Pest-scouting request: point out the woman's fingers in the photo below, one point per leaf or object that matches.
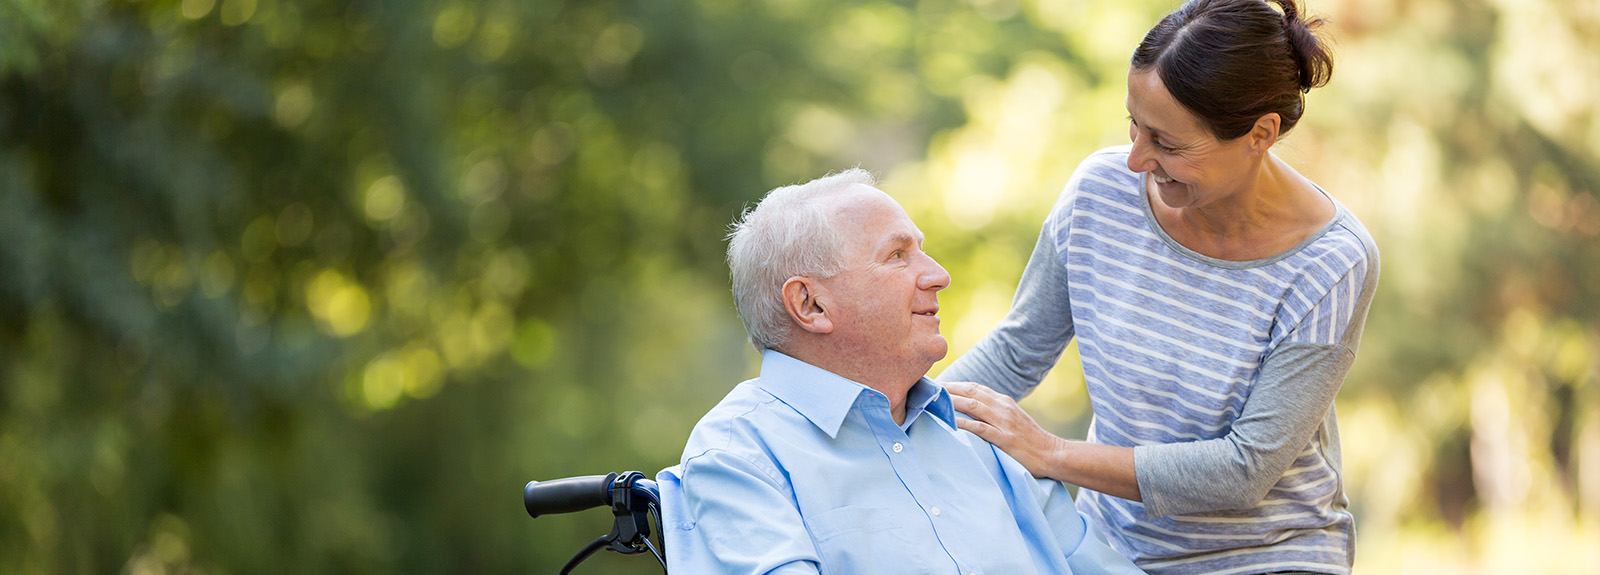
(998, 403)
(972, 407)
(985, 423)
(997, 419)
(972, 390)
(985, 405)
(983, 430)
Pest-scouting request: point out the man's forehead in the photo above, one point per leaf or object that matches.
(855, 197)
(872, 220)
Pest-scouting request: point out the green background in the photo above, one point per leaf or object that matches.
(315, 287)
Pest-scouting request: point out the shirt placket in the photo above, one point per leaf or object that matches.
(897, 445)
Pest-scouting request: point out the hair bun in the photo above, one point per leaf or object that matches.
(1312, 57)
(1232, 61)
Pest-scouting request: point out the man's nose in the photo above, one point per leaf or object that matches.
(934, 278)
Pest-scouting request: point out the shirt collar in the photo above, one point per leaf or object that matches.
(826, 399)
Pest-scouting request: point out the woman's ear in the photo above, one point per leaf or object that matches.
(801, 299)
(1265, 133)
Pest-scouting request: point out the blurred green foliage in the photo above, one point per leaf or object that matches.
(315, 287)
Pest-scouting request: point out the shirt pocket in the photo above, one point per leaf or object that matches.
(858, 539)
(848, 520)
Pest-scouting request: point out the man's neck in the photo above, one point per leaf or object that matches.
(894, 382)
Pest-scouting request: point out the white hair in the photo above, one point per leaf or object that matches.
(787, 234)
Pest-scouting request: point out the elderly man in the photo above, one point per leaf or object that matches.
(842, 457)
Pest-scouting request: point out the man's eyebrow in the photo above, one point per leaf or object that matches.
(899, 239)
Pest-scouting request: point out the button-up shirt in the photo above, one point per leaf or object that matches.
(804, 471)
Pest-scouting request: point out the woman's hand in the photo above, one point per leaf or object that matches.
(999, 420)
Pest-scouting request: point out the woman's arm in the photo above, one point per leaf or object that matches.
(1289, 401)
(1287, 405)
(1015, 357)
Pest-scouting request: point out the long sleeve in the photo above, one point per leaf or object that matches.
(757, 529)
(1290, 401)
(1015, 357)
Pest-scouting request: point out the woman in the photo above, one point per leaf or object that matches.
(1217, 297)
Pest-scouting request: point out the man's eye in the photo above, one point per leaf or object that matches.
(897, 254)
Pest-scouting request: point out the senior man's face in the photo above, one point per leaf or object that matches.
(886, 300)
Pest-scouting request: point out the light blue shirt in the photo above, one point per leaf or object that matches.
(803, 471)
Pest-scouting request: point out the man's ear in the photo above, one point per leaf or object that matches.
(1264, 133)
(800, 299)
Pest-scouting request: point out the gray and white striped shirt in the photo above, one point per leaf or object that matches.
(1220, 374)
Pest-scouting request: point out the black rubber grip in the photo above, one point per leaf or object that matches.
(567, 494)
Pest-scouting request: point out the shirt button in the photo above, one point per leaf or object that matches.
(934, 511)
(898, 447)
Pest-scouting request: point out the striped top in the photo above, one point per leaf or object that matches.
(1220, 374)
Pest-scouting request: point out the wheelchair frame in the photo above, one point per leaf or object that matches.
(633, 500)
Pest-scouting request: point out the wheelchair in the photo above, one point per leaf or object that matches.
(634, 500)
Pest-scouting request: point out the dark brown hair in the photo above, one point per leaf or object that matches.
(1232, 61)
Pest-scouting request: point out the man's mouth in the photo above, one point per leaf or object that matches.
(928, 312)
(1160, 179)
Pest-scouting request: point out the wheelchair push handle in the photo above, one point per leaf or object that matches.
(633, 499)
(568, 494)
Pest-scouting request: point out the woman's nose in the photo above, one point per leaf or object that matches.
(1139, 159)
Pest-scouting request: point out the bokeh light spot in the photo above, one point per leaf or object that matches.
(294, 105)
(196, 9)
(385, 199)
(383, 382)
(535, 343)
(259, 239)
(454, 25)
(218, 275)
(552, 143)
(618, 43)
(236, 12)
(425, 371)
(341, 306)
(820, 130)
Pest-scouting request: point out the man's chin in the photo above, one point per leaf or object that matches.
(937, 351)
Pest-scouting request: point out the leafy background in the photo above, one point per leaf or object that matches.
(314, 287)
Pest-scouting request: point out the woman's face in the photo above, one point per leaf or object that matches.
(1190, 167)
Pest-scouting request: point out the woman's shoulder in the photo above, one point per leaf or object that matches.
(1100, 184)
(1109, 162)
(1104, 174)
(1344, 251)
(1349, 239)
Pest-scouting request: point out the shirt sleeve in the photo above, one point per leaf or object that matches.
(1289, 402)
(1015, 357)
(726, 514)
(1044, 509)
(1087, 550)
